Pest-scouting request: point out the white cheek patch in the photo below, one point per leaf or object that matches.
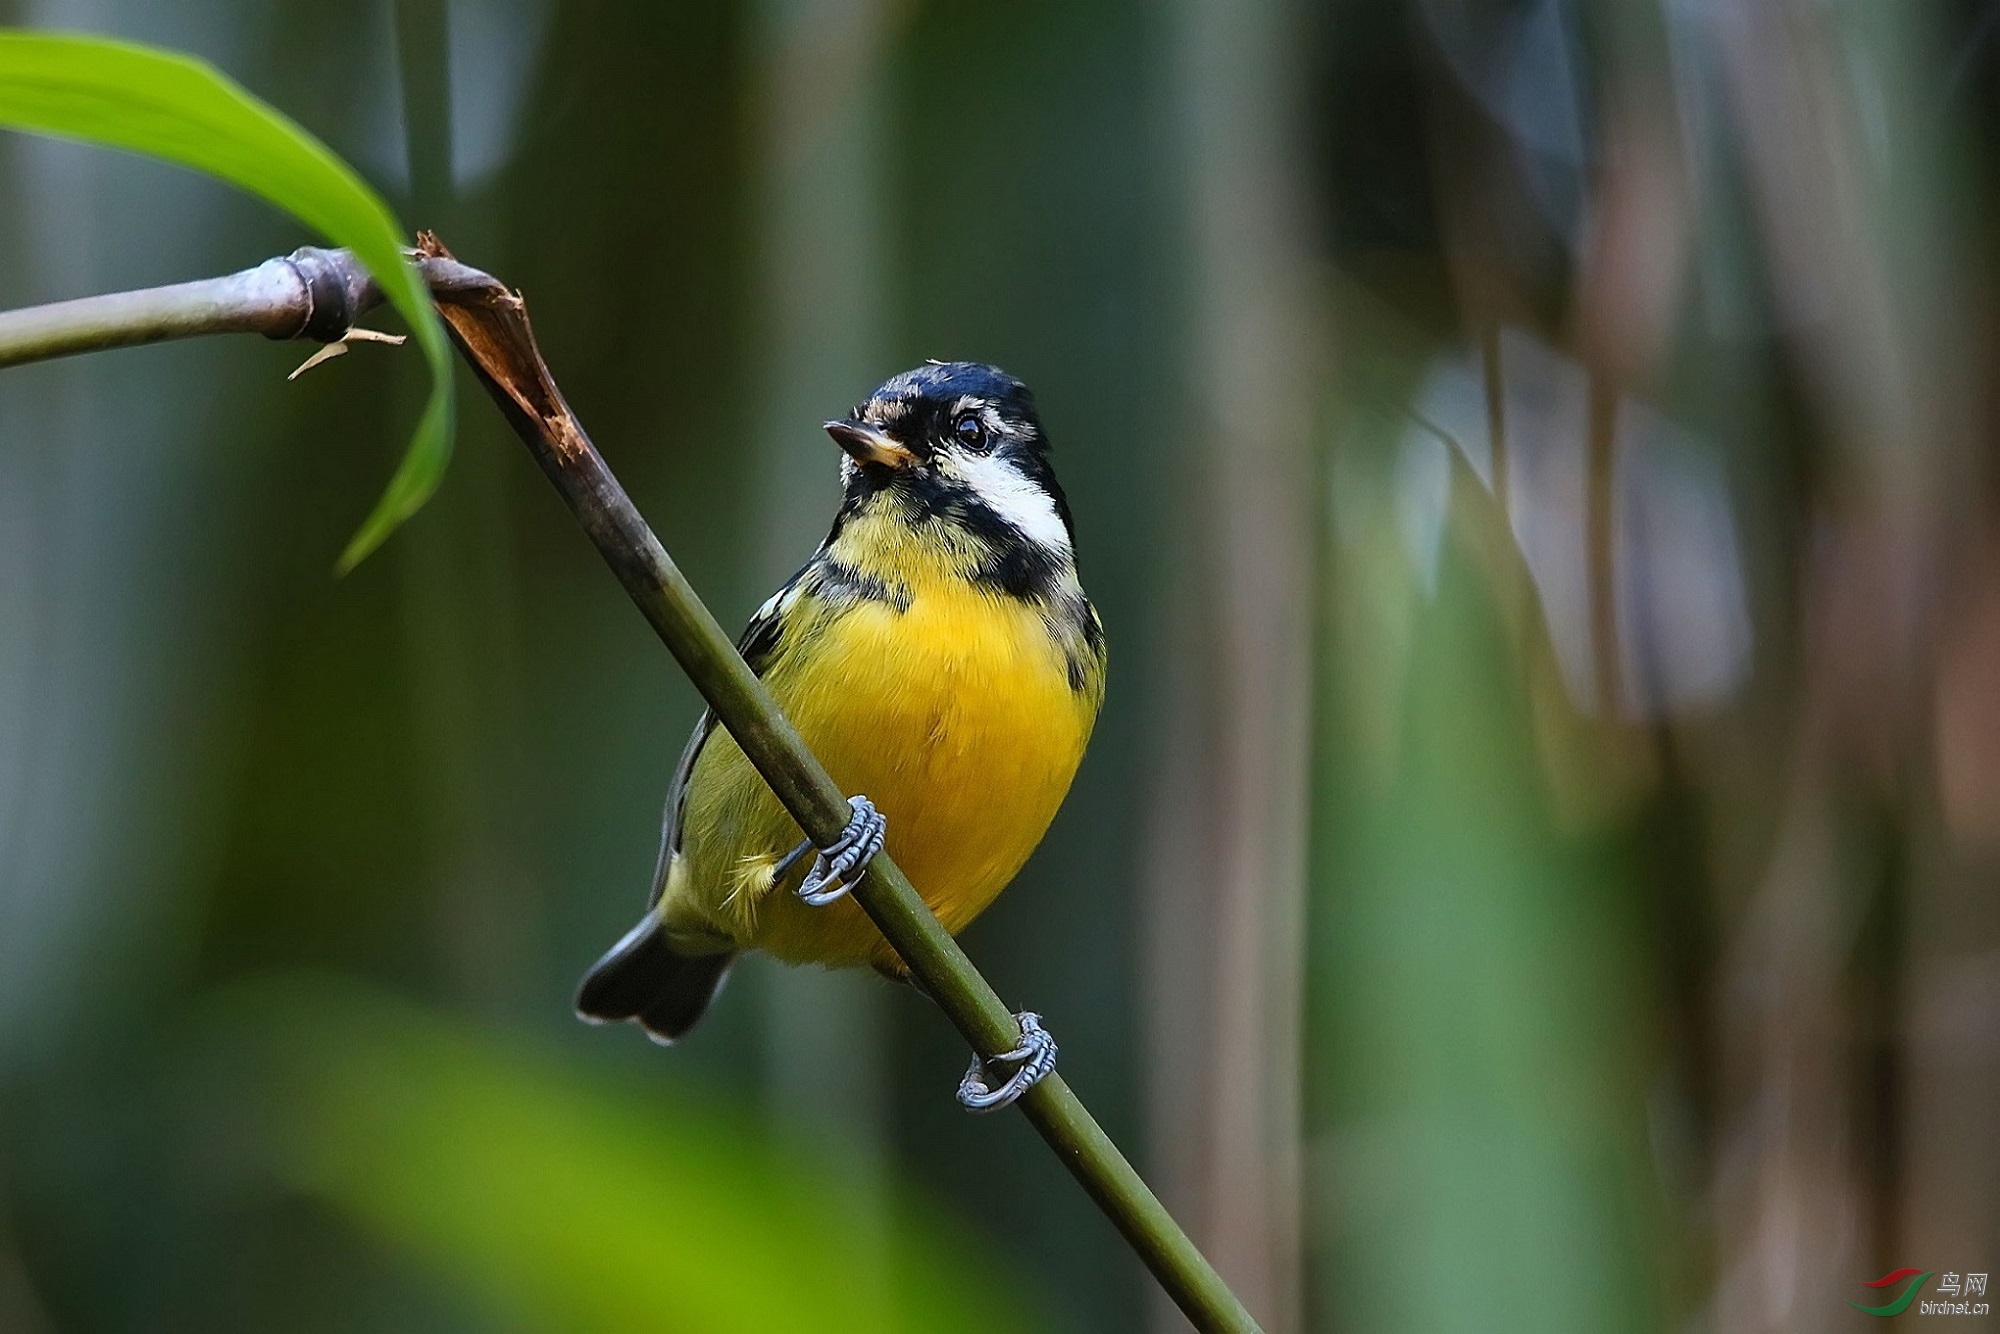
(1031, 510)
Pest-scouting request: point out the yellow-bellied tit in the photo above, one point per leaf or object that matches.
(939, 656)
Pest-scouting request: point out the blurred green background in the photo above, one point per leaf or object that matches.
(1536, 869)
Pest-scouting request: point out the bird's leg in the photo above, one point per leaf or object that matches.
(790, 859)
(1036, 1056)
(834, 872)
(836, 868)
(1032, 1061)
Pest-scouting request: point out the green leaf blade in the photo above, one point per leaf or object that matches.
(563, 1199)
(181, 110)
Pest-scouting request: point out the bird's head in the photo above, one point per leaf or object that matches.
(959, 442)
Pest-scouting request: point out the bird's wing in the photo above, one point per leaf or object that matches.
(670, 819)
(758, 645)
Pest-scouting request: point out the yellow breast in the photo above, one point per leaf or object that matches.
(955, 715)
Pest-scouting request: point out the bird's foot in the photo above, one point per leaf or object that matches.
(1032, 1061)
(836, 869)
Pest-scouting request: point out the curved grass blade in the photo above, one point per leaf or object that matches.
(180, 110)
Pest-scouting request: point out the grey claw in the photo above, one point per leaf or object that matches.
(836, 869)
(1033, 1060)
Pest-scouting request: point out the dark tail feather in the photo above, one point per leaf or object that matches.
(642, 978)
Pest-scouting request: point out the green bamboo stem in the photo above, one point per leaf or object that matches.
(490, 326)
(271, 299)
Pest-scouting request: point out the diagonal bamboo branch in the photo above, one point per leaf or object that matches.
(319, 294)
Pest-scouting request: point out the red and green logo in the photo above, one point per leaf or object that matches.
(1902, 1303)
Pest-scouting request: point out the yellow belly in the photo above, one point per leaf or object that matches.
(955, 716)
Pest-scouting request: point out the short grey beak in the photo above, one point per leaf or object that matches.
(870, 444)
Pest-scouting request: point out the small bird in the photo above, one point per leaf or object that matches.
(940, 657)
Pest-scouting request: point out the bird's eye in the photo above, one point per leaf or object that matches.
(969, 430)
